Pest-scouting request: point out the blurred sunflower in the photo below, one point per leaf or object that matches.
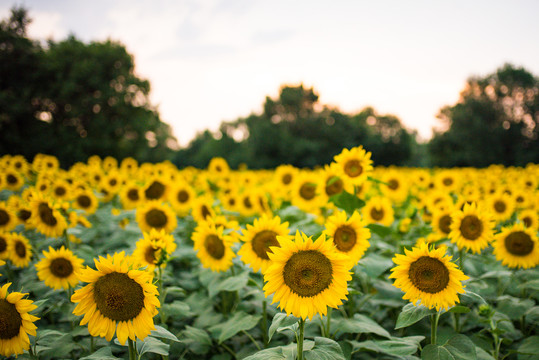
(61, 190)
(500, 205)
(284, 177)
(4, 244)
(8, 217)
(355, 164)
(258, 238)
(118, 298)
(153, 249)
(46, 216)
(397, 185)
(156, 215)
(19, 250)
(332, 182)
(378, 210)
(12, 180)
(129, 165)
(517, 246)
(181, 196)
(471, 228)
(59, 268)
(156, 189)
(305, 193)
(306, 276)
(218, 166)
(441, 221)
(85, 199)
(428, 276)
(530, 219)
(131, 195)
(350, 236)
(213, 247)
(16, 322)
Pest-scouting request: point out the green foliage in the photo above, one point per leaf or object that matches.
(494, 122)
(84, 96)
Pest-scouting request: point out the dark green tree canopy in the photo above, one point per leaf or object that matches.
(496, 121)
(295, 129)
(73, 100)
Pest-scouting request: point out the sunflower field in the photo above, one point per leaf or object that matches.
(120, 260)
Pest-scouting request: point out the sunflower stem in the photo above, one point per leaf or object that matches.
(162, 314)
(434, 327)
(66, 238)
(265, 323)
(461, 259)
(252, 339)
(300, 338)
(132, 351)
(328, 334)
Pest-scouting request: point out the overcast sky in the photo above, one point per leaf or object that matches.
(212, 61)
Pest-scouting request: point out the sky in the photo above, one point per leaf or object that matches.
(210, 61)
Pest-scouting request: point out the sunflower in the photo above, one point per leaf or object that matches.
(202, 207)
(19, 250)
(501, 205)
(332, 182)
(59, 268)
(397, 185)
(46, 217)
(355, 164)
(378, 210)
(307, 276)
(471, 228)
(118, 298)
(428, 276)
(350, 236)
(12, 180)
(441, 221)
(154, 214)
(181, 196)
(248, 203)
(85, 200)
(530, 218)
(447, 181)
(306, 193)
(5, 238)
(218, 166)
(19, 164)
(284, 177)
(257, 240)
(131, 195)
(16, 322)
(129, 165)
(214, 248)
(517, 246)
(153, 249)
(8, 218)
(156, 189)
(61, 190)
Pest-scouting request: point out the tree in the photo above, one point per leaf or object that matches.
(73, 100)
(496, 121)
(295, 129)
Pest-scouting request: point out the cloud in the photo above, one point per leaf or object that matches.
(46, 25)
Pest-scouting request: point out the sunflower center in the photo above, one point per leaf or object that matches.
(445, 224)
(113, 182)
(527, 221)
(393, 184)
(308, 273)
(353, 168)
(307, 191)
(205, 212)
(262, 241)
(4, 217)
(11, 179)
(149, 255)
(61, 267)
(214, 246)
(3, 244)
(247, 202)
(10, 320)
(183, 196)
(133, 195)
(60, 191)
(447, 181)
(286, 179)
(156, 218)
(471, 227)
(334, 186)
(519, 243)
(499, 206)
(84, 201)
(377, 214)
(24, 214)
(118, 297)
(429, 275)
(46, 215)
(155, 191)
(345, 238)
(20, 249)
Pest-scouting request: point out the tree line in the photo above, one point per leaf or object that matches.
(73, 99)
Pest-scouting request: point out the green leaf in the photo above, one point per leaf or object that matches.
(394, 347)
(379, 230)
(324, 349)
(513, 307)
(177, 309)
(476, 298)
(530, 346)
(104, 353)
(162, 333)
(152, 345)
(347, 202)
(240, 321)
(233, 283)
(359, 324)
(530, 285)
(280, 322)
(197, 340)
(459, 347)
(275, 353)
(375, 265)
(459, 309)
(411, 314)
